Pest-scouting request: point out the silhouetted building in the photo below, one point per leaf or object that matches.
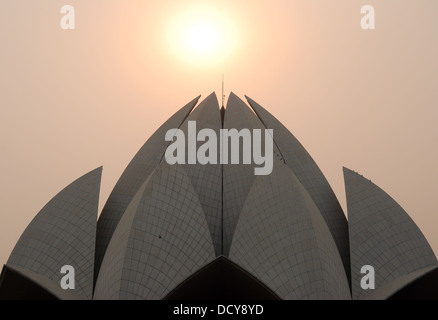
(192, 231)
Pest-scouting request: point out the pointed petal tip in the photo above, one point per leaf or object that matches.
(254, 105)
(346, 171)
(97, 170)
(89, 174)
(234, 96)
(211, 96)
(210, 99)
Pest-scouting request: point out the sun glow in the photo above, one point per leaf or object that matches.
(202, 36)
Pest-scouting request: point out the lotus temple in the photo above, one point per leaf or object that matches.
(218, 231)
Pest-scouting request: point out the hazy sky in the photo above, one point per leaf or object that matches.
(73, 100)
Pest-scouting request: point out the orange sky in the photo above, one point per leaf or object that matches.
(71, 101)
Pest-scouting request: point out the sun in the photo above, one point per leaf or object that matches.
(202, 36)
